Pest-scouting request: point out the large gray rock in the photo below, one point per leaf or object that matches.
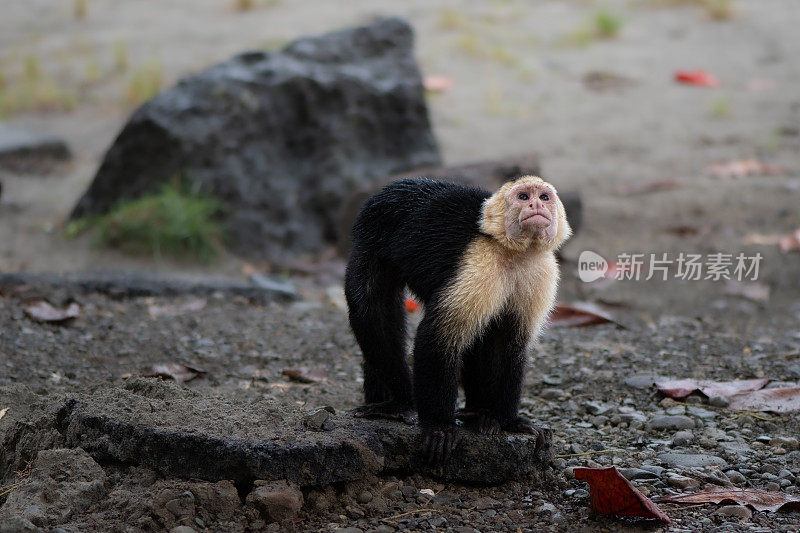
(282, 137)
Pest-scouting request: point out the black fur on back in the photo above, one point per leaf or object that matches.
(419, 229)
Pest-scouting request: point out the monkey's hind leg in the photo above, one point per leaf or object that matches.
(374, 298)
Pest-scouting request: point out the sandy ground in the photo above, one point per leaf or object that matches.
(519, 71)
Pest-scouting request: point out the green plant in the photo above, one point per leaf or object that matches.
(721, 107)
(145, 82)
(607, 25)
(121, 56)
(176, 221)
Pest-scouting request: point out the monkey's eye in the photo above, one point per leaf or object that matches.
(523, 196)
(544, 197)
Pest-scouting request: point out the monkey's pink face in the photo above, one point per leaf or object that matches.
(532, 210)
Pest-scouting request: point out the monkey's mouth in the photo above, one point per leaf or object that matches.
(537, 217)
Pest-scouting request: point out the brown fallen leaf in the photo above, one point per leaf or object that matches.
(306, 374)
(191, 306)
(790, 242)
(610, 493)
(752, 290)
(760, 500)
(3, 412)
(744, 167)
(780, 400)
(43, 311)
(177, 371)
(579, 314)
(681, 388)
(650, 186)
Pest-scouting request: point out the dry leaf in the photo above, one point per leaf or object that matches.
(438, 84)
(3, 412)
(760, 500)
(579, 314)
(744, 167)
(306, 374)
(761, 239)
(682, 388)
(780, 400)
(790, 242)
(42, 311)
(177, 371)
(612, 494)
(191, 306)
(650, 186)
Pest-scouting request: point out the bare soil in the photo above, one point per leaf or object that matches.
(520, 86)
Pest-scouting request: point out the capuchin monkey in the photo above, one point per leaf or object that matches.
(484, 267)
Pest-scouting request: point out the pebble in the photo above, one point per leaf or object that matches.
(718, 401)
(670, 422)
(318, 419)
(581, 494)
(182, 529)
(682, 438)
(690, 460)
(736, 511)
(486, 502)
(551, 394)
(409, 492)
(364, 497)
(736, 477)
(349, 530)
(637, 473)
(683, 482)
(788, 443)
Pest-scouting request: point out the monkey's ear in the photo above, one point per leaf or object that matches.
(564, 231)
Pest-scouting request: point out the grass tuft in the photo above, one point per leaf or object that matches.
(145, 82)
(607, 25)
(176, 222)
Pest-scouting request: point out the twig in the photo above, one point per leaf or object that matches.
(10, 488)
(565, 455)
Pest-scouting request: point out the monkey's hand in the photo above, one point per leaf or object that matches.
(544, 435)
(438, 442)
(389, 410)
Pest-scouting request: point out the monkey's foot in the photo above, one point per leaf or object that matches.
(389, 410)
(438, 442)
(480, 421)
(544, 435)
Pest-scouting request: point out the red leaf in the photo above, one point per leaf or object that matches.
(579, 314)
(790, 242)
(411, 305)
(682, 388)
(438, 84)
(744, 167)
(760, 500)
(700, 78)
(42, 311)
(651, 186)
(612, 494)
(781, 400)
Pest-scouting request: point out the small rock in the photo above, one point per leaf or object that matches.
(637, 473)
(182, 529)
(789, 443)
(736, 511)
(348, 530)
(546, 507)
(690, 460)
(670, 422)
(718, 401)
(275, 500)
(318, 419)
(596, 408)
(736, 477)
(486, 502)
(683, 482)
(364, 497)
(682, 438)
(581, 494)
(643, 381)
(409, 492)
(551, 394)
(180, 507)
(657, 470)
(446, 498)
